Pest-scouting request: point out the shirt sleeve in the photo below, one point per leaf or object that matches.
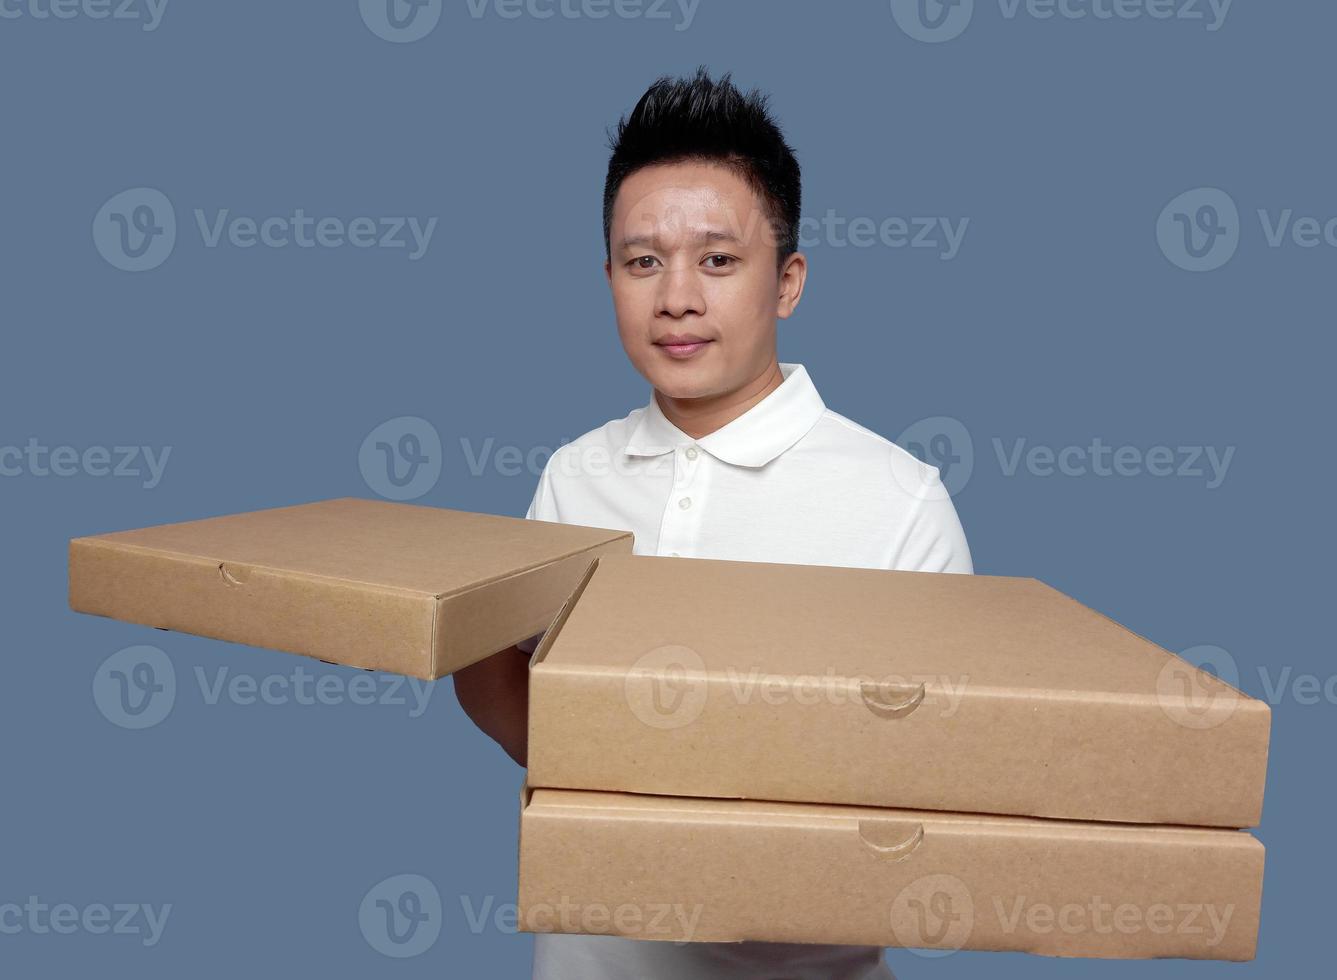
(542, 507)
(934, 540)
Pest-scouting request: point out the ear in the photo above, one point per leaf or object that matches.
(793, 274)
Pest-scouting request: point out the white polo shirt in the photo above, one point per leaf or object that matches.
(787, 481)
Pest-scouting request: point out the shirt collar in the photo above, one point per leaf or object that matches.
(755, 438)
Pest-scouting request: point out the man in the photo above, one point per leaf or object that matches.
(736, 456)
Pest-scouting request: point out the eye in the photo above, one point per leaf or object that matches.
(728, 260)
(637, 263)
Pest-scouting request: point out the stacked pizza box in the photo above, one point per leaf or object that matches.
(727, 751)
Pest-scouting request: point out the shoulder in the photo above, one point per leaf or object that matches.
(593, 448)
(873, 454)
(926, 532)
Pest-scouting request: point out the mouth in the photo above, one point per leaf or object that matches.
(682, 345)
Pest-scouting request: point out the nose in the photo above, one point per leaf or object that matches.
(679, 294)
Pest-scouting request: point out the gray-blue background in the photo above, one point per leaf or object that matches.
(1059, 321)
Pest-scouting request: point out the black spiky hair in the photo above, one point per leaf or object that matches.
(698, 119)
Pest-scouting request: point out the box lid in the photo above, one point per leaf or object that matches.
(696, 677)
(403, 587)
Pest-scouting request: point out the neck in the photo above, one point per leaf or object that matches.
(699, 417)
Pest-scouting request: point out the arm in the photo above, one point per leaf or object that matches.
(495, 693)
(933, 540)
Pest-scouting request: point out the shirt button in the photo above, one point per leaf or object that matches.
(684, 502)
(691, 452)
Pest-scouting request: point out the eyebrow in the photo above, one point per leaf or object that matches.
(709, 235)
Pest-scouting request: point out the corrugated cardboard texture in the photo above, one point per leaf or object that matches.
(415, 590)
(690, 677)
(723, 871)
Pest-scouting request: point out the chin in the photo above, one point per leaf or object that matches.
(681, 381)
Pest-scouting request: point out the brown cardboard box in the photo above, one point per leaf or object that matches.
(670, 868)
(400, 587)
(698, 678)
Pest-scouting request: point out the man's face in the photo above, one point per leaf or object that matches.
(693, 274)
